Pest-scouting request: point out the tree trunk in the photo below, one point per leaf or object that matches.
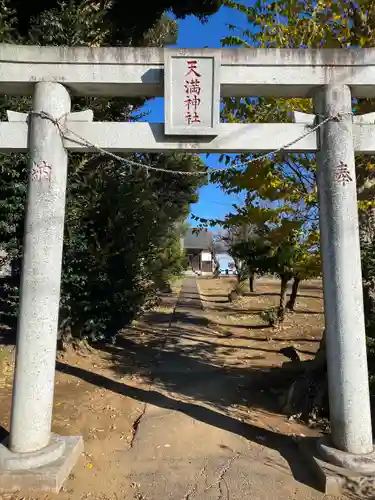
(241, 286)
(283, 288)
(308, 394)
(216, 271)
(241, 277)
(251, 282)
(293, 296)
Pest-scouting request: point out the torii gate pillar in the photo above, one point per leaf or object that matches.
(350, 445)
(34, 457)
(349, 398)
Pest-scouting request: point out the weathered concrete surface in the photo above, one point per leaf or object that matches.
(13, 461)
(139, 71)
(150, 137)
(335, 480)
(127, 137)
(188, 447)
(48, 478)
(34, 459)
(360, 463)
(349, 398)
(41, 275)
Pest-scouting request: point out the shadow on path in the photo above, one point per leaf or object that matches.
(280, 442)
(187, 365)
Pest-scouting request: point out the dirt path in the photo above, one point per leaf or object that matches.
(86, 403)
(166, 414)
(246, 343)
(188, 444)
(103, 418)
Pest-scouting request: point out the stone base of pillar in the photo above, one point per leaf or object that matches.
(363, 464)
(333, 479)
(20, 472)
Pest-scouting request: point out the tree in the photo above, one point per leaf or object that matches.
(120, 250)
(236, 235)
(216, 248)
(286, 183)
(307, 265)
(277, 246)
(13, 174)
(122, 23)
(121, 242)
(280, 193)
(283, 186)
(280, 251)
(252, 251)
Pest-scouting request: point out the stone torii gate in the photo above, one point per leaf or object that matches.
(192, 82)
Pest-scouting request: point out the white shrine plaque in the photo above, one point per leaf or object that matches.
(191, 92)
(206, 257)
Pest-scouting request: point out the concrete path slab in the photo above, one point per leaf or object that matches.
(187, 445)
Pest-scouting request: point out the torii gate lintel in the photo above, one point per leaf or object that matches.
(125, 137)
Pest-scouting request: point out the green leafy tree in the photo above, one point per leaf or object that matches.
(233, 238)
(123, 23)
(121, 243)
(284, 185)
(249, 251)
(121, 249)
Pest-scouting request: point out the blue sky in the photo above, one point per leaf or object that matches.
(213, 203)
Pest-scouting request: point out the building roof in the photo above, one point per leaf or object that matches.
(198, 241)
